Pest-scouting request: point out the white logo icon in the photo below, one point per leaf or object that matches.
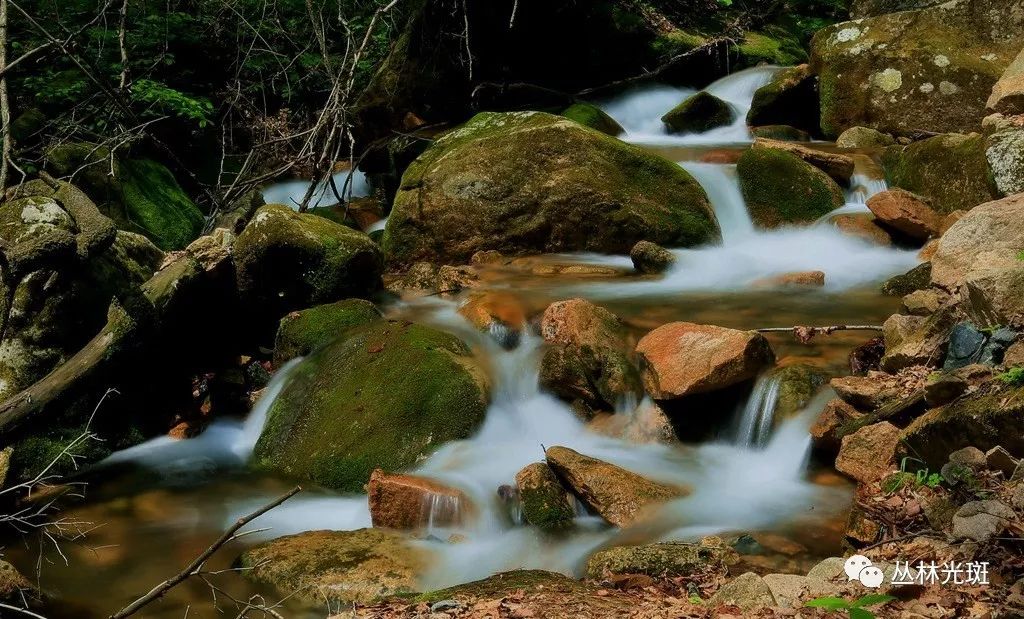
(859, 567)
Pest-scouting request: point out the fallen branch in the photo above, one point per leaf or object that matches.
(196, 565)
(805, 334)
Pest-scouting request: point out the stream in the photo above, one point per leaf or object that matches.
(164, 501)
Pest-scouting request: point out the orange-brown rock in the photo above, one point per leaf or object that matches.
(483, 309)
(808, 279)
(950, 219)
(581, 323)
(867, 454)
(825, 431)
(840, 167)
(906, 213)
(862, 226)
(617, 495)
(412, 502)
(866, 392)
(685, 358)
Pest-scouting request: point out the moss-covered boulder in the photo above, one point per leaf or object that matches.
(780, 188)
(864, 138)
(590, 115)
(930, 69)
(992, 416)
(63, 263)
(790, 98)
(798, 384)
(871, 8)
(913, 280)
(141, 195)
(662, 560)
(699, 113)
(781, 132)
(384, 396)
(300, 333)
(546, 504)
(360, 566)
(950, 170)
(288, 261)
(530, 182)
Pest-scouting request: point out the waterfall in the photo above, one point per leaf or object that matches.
(639, 111)
(292, 192)
(721, 185)
(758, 413)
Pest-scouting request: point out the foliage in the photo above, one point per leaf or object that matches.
(1013, 376)
(903, 478)
(855, 608)
(164, 98)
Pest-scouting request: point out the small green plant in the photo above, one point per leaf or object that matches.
(1013, 376)
(855, 608)
(903, 478)
(1020, 255)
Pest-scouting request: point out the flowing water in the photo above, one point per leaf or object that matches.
(292, 192)
(180, 494)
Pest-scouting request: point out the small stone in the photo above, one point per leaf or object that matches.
(650, 257)
(808, 279)
(998, 459)
(980, 521)
(942, 389)
(699, 113)
(443, 605)
(905, 212)
(864, 138)
(971, 457)
(1014, 355)
(867, 454)
(451, 279)
(748, 591)
(791, 590)
(939, 510)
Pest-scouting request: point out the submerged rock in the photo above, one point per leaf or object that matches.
(360, 566)
(617, 495)
(288, 261)
(801, 279)
(591, 116)
(790, 98)
(863, 226)
(982, 250)
(546, 504)
(950, 171)
(384, 396)
(928, 70)
(303, 332)
(780, 188)
(413, 502)
(699, 113)
(906, 213)
(531, 182)
(683, 358)
(650, 257)
(662, 560)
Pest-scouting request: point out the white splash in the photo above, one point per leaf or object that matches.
(292, 192)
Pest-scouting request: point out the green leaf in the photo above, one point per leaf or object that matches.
(831, 603)
(860, 613)
(871, 600)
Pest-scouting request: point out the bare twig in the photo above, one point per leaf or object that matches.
(196, 566)
(805, 334)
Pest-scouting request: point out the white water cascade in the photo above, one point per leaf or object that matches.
(754, 424)
(292, 192)
(639, 111)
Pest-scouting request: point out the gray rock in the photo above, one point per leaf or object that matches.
(970, 457)
(1017, 498)
(748, 591)
(998, 459)
(981, 520)
(966, 344)
(650, 257)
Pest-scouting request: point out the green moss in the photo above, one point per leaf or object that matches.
(677, 42)
(699, 113)
(780, 188)
(545, 502)
(773, 46)
(157, 205)
(594, 117)
(525, 182)
(918, 278)
(664, 560)
(384, 396)
(950, 170)
(798, 385)
(301, 333)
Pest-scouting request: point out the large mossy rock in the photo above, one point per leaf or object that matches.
(288, 261)
(698, 113)
(141, 195)
(590, 115)
(360, 566)
(780, 188)
(661, 560)
(950, 170)
(790, 98)
(303, 332)
(993, 416)
(63, 264)
(928, 70)
(531, 182)
(384, 396)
